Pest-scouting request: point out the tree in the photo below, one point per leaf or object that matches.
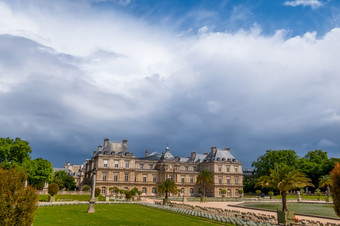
(86, 188)
(335, 176)
(13, 152)
(53, 189)
(223, 192)
(273, 157)
(271, 194)
(284, 178)
(315, 164)
(326, 181)
(39, 171)
(96, 192)
(64, 180)
(205, 178)
(166, 187)
(17, 202)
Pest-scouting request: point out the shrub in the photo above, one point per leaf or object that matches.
(97, 192)
(240, 192)
(258, 192)
(335, 176)
(318, 193)
(223, 191)
(86, 188)
(128, 195)
(53, 189)
(271, 193)
(17, 202)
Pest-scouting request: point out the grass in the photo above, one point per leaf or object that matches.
(44, 198)
(305, 197)
(112, 214)
(303, 208)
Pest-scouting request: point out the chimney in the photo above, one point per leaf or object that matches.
(106, 142)
(193, 155)
(124, 142)
(227, 149)
(146, 153)
(100, 148)
(213, 151)
(94, 153)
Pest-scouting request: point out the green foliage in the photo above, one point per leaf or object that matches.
(205, 178)
(335, 176)
(271, 193)
(271, 158)
(97, 192)
(240, 192)
(315, 164)
(249, 182)
(53, 189)
(39, 171)
(64, 180)
(86, 188)
(134, 191)
(128, 195)
(17, 202)
(326, 181)
(166, 187)
(258, 192)
(14, 152)
(284, 178)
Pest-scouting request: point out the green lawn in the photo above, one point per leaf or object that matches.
(303, 208)
(112, 214)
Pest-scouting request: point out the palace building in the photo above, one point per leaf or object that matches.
(117, 167)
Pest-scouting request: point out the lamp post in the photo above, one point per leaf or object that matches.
(92, 200)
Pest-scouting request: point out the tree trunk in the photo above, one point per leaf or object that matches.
(284, 201)
(328, 193)
(166, 195)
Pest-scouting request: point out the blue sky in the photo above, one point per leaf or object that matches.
(249, 75)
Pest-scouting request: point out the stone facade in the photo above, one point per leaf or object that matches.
(118, 167)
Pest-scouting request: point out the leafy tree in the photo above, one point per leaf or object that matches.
(14, 152)
(273, 157)
(223, 192)
(258, 192)
(326, 181)
(97, 192)
(64, 180)
(271, 194)
(284, 178)
(315, 164)
(53, 189)
(205, 178)
(249, 182)
(241, 193)
(128, 195)
(166, 187)
(39, 171)
(17, 202)
(335, 176)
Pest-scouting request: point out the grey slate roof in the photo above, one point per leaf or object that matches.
(198, 158)
(221, 155)
(116, 148)
(167, 155)
(154, 156)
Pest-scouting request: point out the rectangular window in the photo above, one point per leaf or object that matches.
(191, 179)
(171, 177)
(219, 168)
(115, 177)
(141, 166)
(127, 164)
(228, 180)
(154, 179)
(126, 177)
(105, 162)
(236, 169)
(195, 168)
(104, 176)
(228, 169)
(144, 178)
(151, 166)
(186, 168)
(116, 164)
(236, 180)
(220, 180)
(182, 179)
(135, 178)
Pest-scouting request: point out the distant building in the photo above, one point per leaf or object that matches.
(118, 167)
(248, 172)
(73, 170)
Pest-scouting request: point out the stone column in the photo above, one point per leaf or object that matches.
(92, 200)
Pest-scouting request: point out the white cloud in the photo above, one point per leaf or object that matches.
(312, 3)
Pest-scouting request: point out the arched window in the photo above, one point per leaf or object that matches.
(220, 191)
(103, 190)
(191, 191)
(182, 191)
(144, 190)
(228, 192)
(154, 190)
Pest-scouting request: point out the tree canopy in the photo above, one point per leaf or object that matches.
(166, 187)
(335, 177)
(14, 152)
(39, 171)
(64, 180)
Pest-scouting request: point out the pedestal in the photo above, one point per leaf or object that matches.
(91, 206)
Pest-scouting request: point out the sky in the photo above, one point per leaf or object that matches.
(249, 75)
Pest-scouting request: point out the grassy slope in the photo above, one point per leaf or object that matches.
(114, 214)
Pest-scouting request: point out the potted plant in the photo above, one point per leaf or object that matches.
(86, 188)
(241, 193)
(271, 194)
(96, 194)
(258, 192)
(223, 192)
(52, 190)
(318, 194)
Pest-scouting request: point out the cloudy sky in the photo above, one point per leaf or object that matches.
(249, 75)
